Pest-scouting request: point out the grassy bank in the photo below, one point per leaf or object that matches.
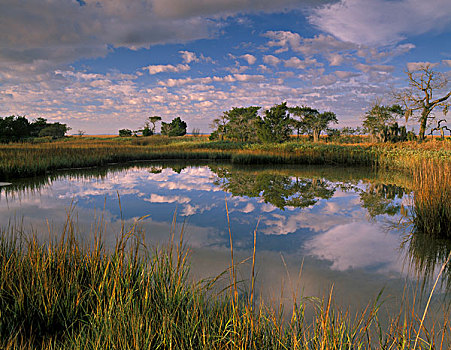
(72, 295)
(28, 159)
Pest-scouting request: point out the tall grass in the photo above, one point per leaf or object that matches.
(70, 293)
(27, 159)
(432, 198)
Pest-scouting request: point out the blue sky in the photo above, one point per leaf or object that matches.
(100, 66)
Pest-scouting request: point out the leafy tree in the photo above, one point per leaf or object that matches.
(14, 128)
(242, 122)
(153, 120)
(219, 126)
(315, 123)
(147, 131)
(424, 83)
(37, 125)
(55, 130)
(176, 127)
(238, 124)
(275, 124)
(125, 132)
(301, 112)
(378, 120)
(18, 128)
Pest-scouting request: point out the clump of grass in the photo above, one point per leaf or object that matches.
(72, 294)
(432, 198)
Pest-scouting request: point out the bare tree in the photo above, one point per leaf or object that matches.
(440, 128)
(424, 82)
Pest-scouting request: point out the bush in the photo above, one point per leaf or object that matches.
(125, 132)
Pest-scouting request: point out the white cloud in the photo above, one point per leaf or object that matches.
(250, 59)
(162, 68)
(447, 62)
(295, 62)
(249, 77)
(189, 56)
(374, 68)
(284, 39)
(335, 59)
(345, 75)
(319, 44)
(271, 60)
(381, 21)
(413, 66)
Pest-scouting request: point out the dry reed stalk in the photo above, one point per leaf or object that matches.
(429, 299)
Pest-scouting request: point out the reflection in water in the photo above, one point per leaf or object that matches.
(333, 219)
(380, 199)
(279, 190)
(427, 255)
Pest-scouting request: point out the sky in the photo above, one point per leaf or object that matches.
(103, 65)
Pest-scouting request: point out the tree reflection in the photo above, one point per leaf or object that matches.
(380, 199)
(276, 189)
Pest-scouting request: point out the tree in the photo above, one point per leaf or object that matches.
(275, 124)
(176, 127)
(14, 128)
(54, 130)
(147, 131)
(219, 126)
(379, 118)
(37, 125)
(153, 120)
(125, 132)
(238, 124)
(301, 112)
(441, 128)
(242, 122)
(315, 123)
(424, 83)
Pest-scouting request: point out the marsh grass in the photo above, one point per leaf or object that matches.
(31, 159)
(73, 293)
(432, 198)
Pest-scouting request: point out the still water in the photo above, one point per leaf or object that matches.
(346, 228)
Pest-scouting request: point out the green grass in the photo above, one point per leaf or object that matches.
(31, 159)
(76, 294)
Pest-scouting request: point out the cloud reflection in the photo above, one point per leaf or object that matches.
(357, 245)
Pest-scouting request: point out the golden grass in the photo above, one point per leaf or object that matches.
(66, 294)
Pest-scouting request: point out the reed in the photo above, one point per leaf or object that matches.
(70, 293)
(432, 198)
(30, 159)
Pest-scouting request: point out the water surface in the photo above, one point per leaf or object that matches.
(341, 225)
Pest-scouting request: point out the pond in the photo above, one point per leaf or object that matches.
(317, 228)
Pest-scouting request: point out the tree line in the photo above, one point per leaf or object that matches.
(277, 124)
(18, 128)
(177, 127)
